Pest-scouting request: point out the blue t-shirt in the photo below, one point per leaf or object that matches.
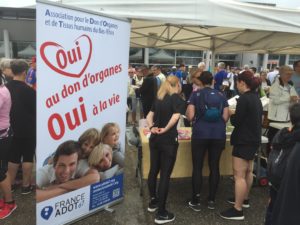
(179, 75)
(219, 77)
(31, 77)
(296, 82)
(201, 128)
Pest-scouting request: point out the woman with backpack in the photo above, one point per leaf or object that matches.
(283, 173)
(208, 110)
(246, 139)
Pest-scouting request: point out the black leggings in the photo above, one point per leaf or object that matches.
(162, 159)
(4, 151)
(215, 148)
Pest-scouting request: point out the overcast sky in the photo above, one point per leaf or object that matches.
(279, 3)
(22, 3)
(288, 3)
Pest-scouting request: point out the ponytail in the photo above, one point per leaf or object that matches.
(168, 87)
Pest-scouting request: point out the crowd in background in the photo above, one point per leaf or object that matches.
(207, 112)
(161, 96)
(17, 128)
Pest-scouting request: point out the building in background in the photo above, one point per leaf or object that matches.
(18, 35)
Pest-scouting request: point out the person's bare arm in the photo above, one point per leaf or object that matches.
(149, 119)
(190, 112)
(92, 176)
(51, 192)
(150, 123)
(226, 114)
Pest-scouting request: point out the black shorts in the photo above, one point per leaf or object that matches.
(5, 144)
(246, 152)
(22, 149)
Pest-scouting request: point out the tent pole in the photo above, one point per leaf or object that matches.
(6, 43)
(265, 61)
(146, 56)
(287, 59)
(213, 55)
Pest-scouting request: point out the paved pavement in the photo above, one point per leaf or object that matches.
(132, 211)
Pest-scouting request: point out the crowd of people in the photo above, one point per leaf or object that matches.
(203, 99)
(162, 97)
(17, 130)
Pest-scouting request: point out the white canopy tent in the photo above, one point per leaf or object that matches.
(27, 52)
(217, 25)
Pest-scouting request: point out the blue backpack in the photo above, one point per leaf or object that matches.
(211, 108)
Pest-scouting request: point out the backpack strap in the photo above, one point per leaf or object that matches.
(200, 110)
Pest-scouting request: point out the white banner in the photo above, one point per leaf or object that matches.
(82, 64)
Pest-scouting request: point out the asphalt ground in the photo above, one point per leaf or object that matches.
(133, 209)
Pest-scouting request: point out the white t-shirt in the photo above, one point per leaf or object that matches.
(46, 175)
(272, 75)
(162, 77)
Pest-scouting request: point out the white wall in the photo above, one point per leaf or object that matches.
(250, 59)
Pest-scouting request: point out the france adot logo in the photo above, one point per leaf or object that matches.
(63, 207)
(70, 59)
(46, 212)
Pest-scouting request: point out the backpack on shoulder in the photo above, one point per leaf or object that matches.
(209, 110)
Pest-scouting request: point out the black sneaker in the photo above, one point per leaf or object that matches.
(246, 203)
(211, 204)
(195, 206)
(165, 218)
(26, 190)
(153, 205)
(232, 214)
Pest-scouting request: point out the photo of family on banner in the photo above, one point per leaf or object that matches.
(81, 118)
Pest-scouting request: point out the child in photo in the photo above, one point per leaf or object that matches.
(87, 141)
(109, 135)
(101, 159)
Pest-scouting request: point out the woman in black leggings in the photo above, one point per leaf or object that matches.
(209, 134)
(162, 121)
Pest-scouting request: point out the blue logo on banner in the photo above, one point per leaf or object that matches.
(46, 212)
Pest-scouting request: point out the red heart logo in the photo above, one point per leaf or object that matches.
(67, 57)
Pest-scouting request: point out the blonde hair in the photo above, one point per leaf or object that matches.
(168, 87)
(201, 64)
(98, 154)
(106, 128)
(91, 134)
(5, 63)
(284, 69)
